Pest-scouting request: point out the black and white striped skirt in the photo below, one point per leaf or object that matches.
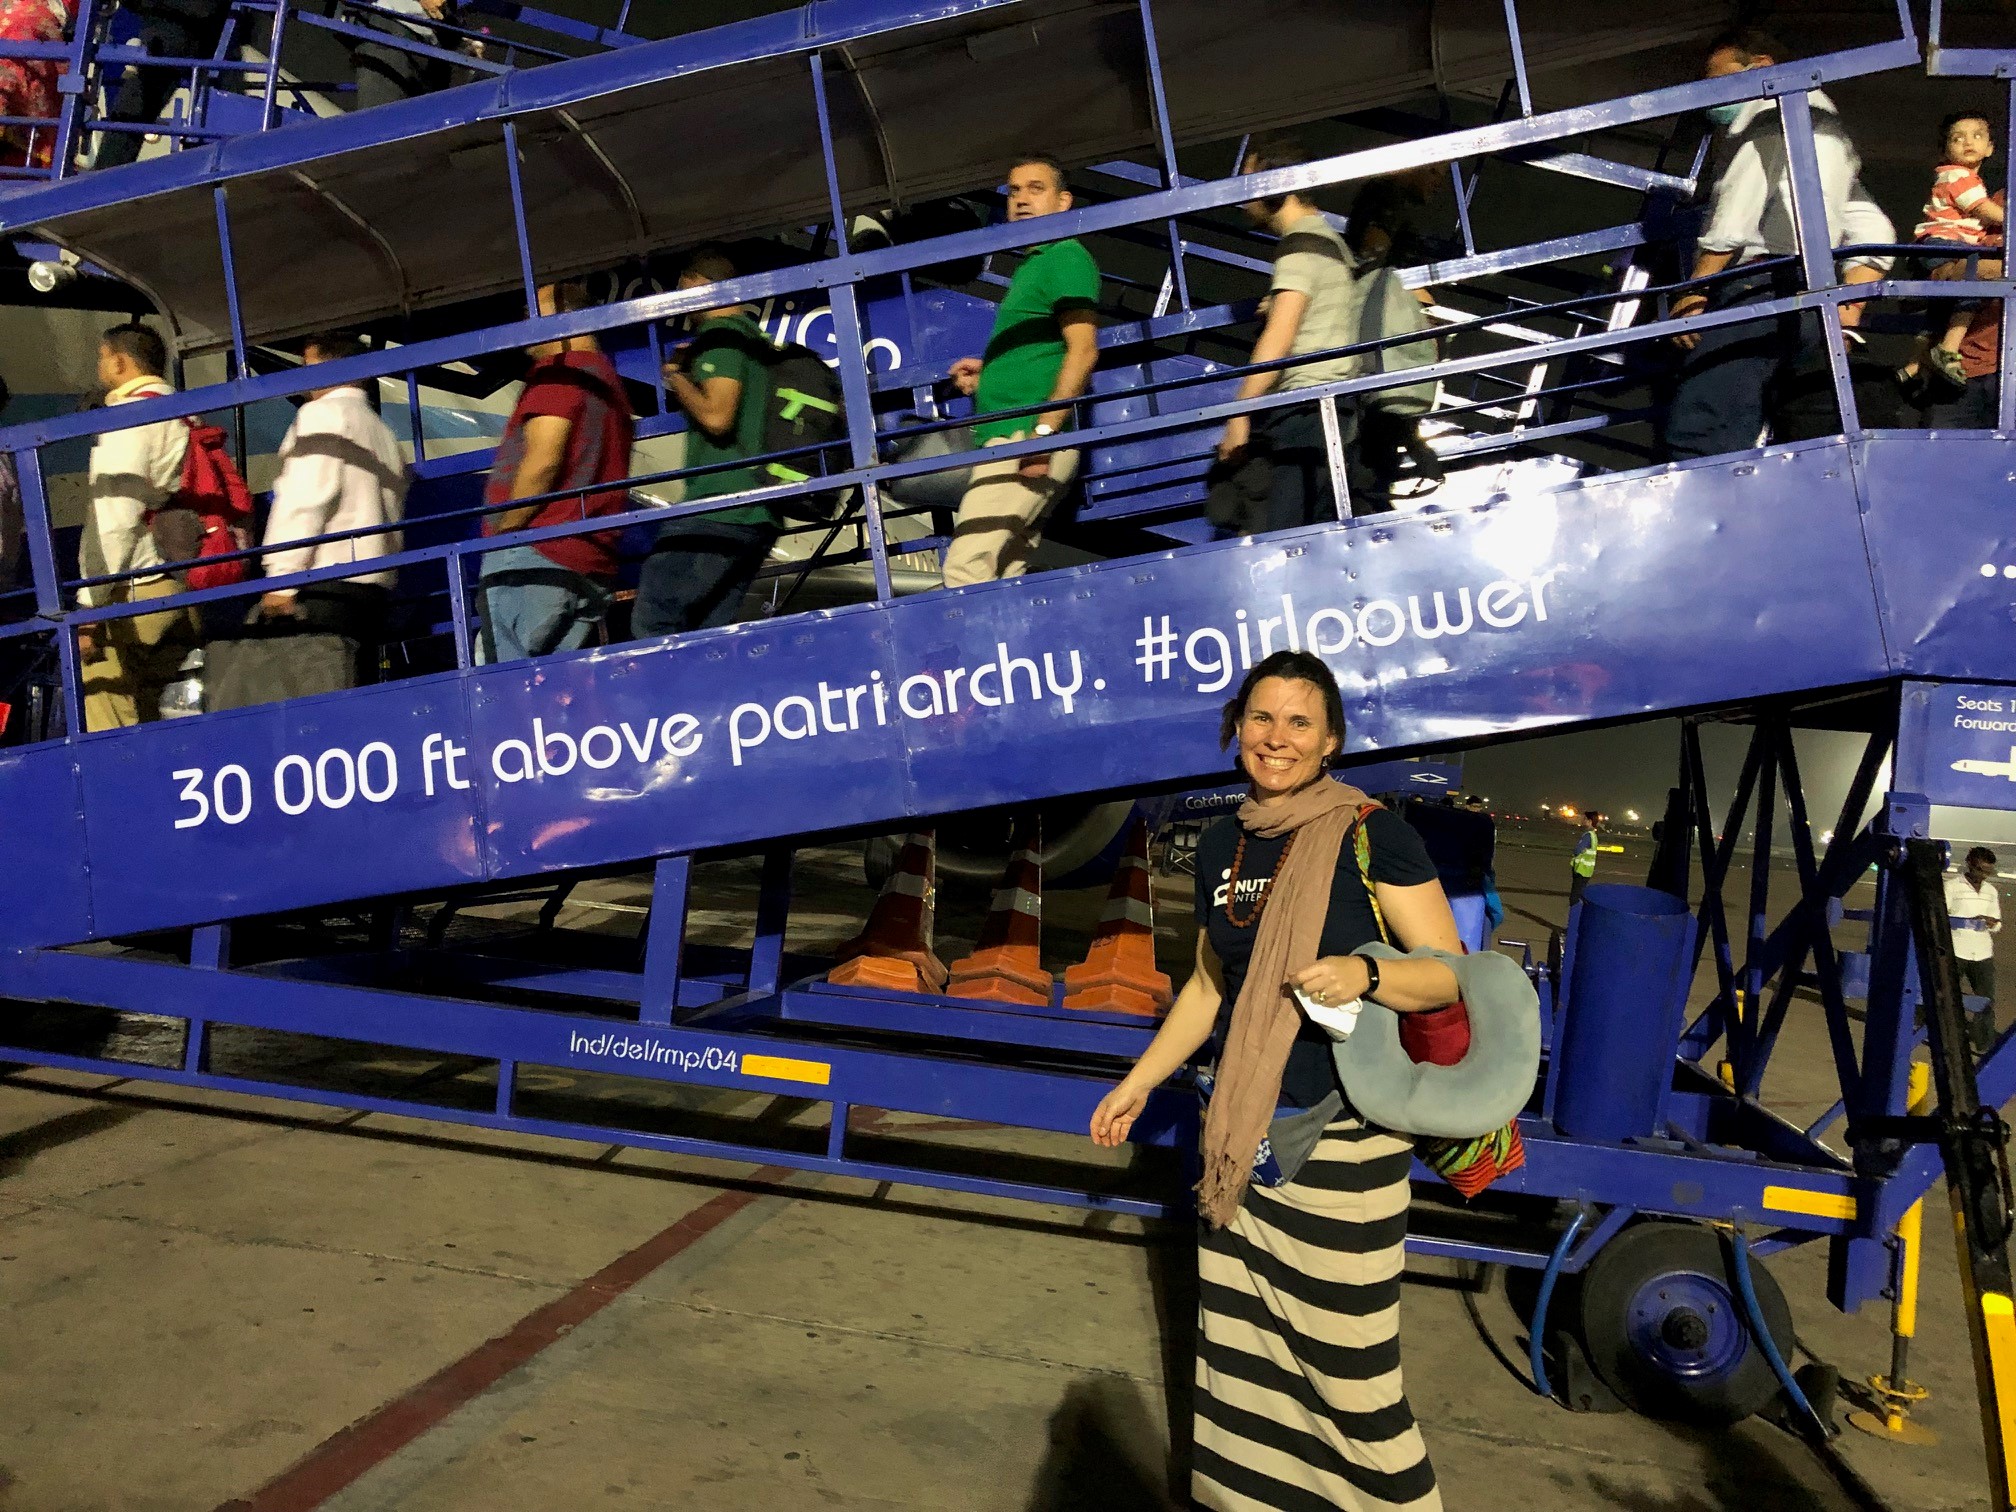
(1299, 1402)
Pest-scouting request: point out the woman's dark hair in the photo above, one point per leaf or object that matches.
(1296, 666)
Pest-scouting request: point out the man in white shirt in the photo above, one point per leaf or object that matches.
(1975, 911)
(341, 470)
(1719, 405)
(127, 662)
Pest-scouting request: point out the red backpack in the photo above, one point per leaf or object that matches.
(210, 515)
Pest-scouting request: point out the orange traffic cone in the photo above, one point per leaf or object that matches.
(894, 951)
(1006, 966)
(1119, 975)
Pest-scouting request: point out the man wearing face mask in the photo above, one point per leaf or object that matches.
(1726, 379)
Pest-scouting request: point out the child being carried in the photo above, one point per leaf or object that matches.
(1960, 210)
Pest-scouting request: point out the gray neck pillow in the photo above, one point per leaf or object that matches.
(1491, 1084)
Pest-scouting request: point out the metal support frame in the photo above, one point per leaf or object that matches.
(754, 1015)
(1171, 175)
(1872, 1066)
(1972, 1140)
(739, 1028)
(848, 336)
(1816, 244)
(665, 939)
(518, 220)
(231, 282)
(269, 111)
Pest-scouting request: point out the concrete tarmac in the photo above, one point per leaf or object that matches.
(226, 1302)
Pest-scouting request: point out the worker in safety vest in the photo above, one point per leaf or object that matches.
(1582, 864)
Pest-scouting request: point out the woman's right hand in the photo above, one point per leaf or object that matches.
(1113, 1119)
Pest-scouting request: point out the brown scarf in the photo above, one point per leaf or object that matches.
(1265, 1020)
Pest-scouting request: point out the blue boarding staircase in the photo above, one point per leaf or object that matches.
(1801, 583)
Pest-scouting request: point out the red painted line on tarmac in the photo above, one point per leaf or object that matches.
(343, 1458)
(936, 1126)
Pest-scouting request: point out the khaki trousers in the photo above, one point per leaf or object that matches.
(136, 658)
(1000, 521)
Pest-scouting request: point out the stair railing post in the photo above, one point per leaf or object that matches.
(664, 938)
(269, 110)
(518, 221)
(1816, 244)
(77, 85)
(847, 334)
(1333, 454)
(48, 588)
(1158, 102)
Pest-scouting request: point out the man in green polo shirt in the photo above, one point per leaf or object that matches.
(1043, 348)
(700, 565)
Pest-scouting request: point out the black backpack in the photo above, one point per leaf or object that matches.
(804, 408)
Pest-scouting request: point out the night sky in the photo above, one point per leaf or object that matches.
(1632, 766)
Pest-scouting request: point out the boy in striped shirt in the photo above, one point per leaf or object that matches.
(1960, 209)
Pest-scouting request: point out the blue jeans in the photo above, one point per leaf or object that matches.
(532, 606)
(1725, 383)
(1975, 409)
(696, 574)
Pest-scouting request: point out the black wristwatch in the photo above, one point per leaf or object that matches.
(1371, 976)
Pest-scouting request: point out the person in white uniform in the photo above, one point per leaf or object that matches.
(1975, 910)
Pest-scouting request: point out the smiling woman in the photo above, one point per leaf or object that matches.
(1299, 1398)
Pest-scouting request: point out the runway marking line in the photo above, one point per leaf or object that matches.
(343, 1458)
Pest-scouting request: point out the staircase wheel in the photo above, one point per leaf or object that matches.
(1666, 1330)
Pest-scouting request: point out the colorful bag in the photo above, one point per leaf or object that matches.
(1468, 1165)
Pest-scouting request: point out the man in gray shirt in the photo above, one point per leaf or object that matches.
(385, 74)
(1313, 305)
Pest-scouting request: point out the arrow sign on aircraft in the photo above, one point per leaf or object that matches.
(1989, 768)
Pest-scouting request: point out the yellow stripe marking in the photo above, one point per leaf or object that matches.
(1998, 1320)
(1806, 1201)
(783, 1068)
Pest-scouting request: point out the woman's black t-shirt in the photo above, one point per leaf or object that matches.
(1398, 858)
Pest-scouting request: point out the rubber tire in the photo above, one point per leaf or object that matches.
(1642, 1254)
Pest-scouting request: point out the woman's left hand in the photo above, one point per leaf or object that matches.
(1333, 979)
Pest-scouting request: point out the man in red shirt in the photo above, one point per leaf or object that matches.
(571, 430)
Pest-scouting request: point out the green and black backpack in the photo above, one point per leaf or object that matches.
(804, 408)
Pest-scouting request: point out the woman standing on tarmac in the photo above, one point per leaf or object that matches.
(1299, 1398)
